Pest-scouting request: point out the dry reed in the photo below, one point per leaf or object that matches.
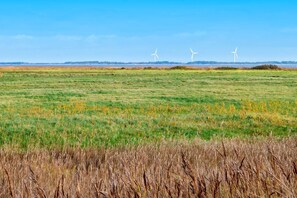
(232, 168)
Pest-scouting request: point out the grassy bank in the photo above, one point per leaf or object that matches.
(75, 107)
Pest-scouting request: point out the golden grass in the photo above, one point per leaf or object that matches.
(232, 168)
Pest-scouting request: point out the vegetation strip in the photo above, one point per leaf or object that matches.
(228, 168)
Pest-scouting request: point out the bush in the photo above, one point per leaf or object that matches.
(179, 67)
(148, 68)
(226, 68)
(267, 67)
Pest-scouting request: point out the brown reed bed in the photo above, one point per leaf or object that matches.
(229, 168)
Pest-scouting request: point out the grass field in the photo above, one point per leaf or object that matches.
(91, 108)
(85, 132)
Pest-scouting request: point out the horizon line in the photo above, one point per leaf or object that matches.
(148, 62)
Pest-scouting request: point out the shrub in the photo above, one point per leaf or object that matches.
(148, 68)
(267, 67)
(179, 67)
(226, 68)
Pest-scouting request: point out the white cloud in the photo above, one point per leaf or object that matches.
(289, 30)
(60, 38)
(68, 38)
(92, 38)
(190, 34)
(23, 37)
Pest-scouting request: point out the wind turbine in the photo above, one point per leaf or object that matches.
(193, 54)
(235, 54)
(155, 55)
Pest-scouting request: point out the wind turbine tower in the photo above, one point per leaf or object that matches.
(235, 55)
(193, 54)
(155, 55)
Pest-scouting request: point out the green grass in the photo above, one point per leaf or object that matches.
(93, 108)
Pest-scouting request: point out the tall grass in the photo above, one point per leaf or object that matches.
(229, 168)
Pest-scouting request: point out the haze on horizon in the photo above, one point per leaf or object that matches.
(130, 30)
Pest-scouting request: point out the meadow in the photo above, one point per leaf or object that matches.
(90, 132)
(94, 108)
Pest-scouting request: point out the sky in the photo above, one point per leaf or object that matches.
(130, 30)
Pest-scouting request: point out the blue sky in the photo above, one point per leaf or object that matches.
(130, 30)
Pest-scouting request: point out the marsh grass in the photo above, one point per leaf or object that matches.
(225, 168)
